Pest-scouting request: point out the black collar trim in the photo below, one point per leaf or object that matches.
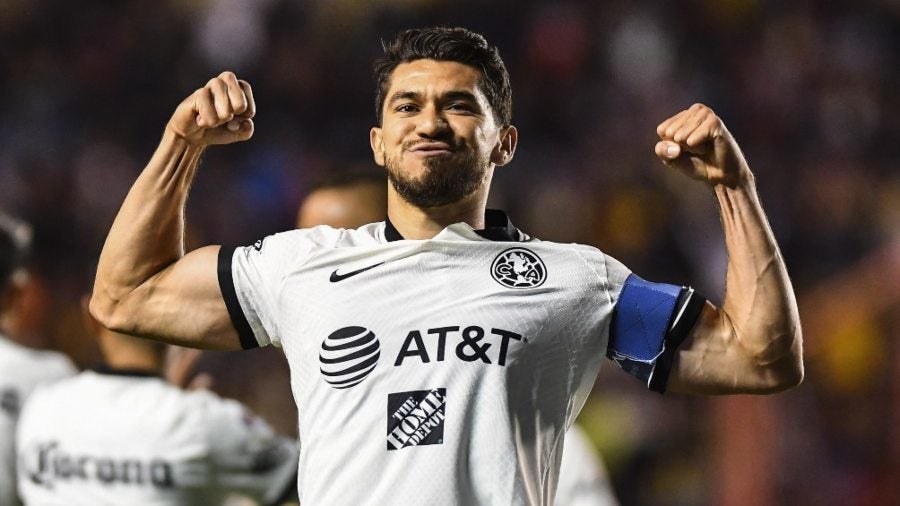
(497, 228)
(390, 231)
(134, 373)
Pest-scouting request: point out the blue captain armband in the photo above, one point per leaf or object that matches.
(649, 323)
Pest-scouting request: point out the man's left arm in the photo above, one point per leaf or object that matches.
(753, 343)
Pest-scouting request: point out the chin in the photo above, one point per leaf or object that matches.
(417, 171)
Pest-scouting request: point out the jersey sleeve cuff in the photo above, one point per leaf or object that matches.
(229, 295)
(688, 309)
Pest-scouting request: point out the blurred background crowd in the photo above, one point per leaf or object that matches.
(807, 87)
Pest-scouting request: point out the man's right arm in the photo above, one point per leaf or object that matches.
(145, 285)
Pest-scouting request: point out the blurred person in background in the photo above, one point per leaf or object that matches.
(583, 480)
(22, 369)
(125, 434)
(345, 199)
(482, 419)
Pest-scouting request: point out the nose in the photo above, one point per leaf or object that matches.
(432, 124)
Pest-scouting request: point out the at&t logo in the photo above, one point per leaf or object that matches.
(348, 356)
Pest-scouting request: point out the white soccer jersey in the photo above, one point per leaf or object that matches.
(123, 438)
(582, 477)
(22, 369)
(440, 371)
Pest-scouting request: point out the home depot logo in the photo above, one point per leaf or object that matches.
(415, 418)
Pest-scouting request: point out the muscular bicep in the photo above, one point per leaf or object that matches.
(715, 360)
(181, 304)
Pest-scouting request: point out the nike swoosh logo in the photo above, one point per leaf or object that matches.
(335, 277)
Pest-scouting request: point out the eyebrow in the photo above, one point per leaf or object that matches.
(461, 95)
(450, 95)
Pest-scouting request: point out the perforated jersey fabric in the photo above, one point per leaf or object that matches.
(440, 371)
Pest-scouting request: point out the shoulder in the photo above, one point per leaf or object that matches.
(54, 365)
(226, 422)
(51, 396)
(33, 363)
(308, 240)
(580, 255)
(572, 248)
(209, 405)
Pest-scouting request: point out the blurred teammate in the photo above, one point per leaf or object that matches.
(582, 476)
(439, 356)
(345, 200)
(122, 434)
(21, 369)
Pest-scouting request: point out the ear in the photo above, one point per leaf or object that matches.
(377, 143)
(506, 146)
(11, 296)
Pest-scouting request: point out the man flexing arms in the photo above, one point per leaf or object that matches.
(476, 345)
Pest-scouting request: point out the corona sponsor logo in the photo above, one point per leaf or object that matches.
(45, 464)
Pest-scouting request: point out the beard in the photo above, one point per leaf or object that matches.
(445, 180)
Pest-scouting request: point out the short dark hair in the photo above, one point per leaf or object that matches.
(447, 44)
(15, 243)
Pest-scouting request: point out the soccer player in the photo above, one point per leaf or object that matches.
(438, 357)
(22, 369)
(122, 434)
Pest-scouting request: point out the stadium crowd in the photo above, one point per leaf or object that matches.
(805, 86)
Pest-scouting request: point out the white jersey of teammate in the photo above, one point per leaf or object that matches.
(582, 476)
(441, 371)
(22, 369)
(119, 437)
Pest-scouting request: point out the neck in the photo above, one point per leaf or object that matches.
(417, 223)
(8, 311)
(132, 353)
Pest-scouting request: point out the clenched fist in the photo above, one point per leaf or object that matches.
(696, 142)
(219, 113)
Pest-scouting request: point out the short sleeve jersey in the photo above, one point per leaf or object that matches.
(22, 369)
(440, 371)
(120, 437)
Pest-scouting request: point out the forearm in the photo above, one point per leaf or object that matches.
(148, 233)
(760, 309)
(753, 343)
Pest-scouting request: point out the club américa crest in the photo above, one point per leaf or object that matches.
(519, 268)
